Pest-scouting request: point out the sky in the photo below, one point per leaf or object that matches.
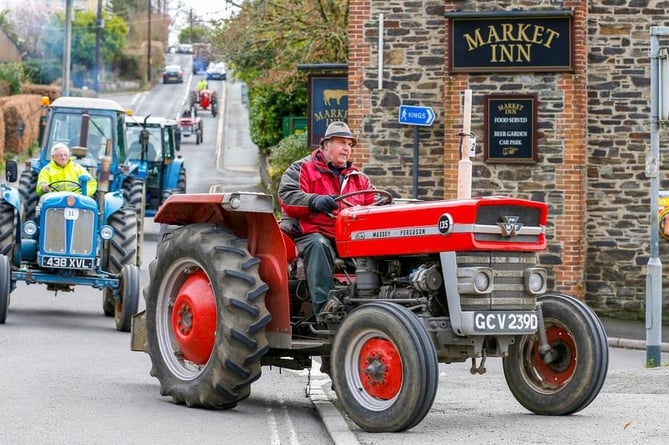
(205, 9)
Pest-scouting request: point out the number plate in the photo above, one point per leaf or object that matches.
(505, 321)
(70, 213)
(61, 262)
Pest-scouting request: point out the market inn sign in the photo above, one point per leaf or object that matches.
(516, 41)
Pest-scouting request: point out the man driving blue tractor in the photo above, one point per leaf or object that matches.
(63, 174)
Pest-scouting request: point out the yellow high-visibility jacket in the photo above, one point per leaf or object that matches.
(53, 172)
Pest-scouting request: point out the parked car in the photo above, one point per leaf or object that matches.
(216, 71)
(173, 74)
(185, 48)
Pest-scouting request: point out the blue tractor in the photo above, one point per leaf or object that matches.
(152, 153)
(72, 240)
(64, 239)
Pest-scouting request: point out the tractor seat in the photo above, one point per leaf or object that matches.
(291, 248)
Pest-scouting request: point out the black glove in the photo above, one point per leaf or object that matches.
(324, 204)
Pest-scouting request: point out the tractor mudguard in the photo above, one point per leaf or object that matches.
(113, 202)
(13, 197)
(137, 168)
(250, 216)
(172, 174)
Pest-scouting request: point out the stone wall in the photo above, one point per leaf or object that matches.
(593, 132)
(618, 192)
(413, 74)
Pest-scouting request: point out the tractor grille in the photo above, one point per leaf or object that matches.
(527, 221)
(508, 278)
(69, 231)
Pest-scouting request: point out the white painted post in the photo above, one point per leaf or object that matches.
(465, 164)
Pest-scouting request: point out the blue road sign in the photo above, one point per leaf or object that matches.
(413, 115)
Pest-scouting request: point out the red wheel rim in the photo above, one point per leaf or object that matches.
(558, 372)
(380, 368)
(194, 318)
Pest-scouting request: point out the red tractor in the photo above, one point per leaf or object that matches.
(189, 124)
(419, 283)
(205, 99)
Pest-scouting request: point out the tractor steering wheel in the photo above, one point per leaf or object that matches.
(53, 186)
(384, 198)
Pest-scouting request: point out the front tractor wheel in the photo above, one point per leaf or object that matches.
(384, 368)
(574, 374)
(5, 287)
(127, 305)
(205, 317)
(119, 251)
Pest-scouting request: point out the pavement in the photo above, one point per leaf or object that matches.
(635, 386)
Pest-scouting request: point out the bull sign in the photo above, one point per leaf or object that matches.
(327, 102)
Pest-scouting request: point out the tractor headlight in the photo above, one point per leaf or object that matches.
(30, 228)
(106, 232)
(535, 280)
(475, 280)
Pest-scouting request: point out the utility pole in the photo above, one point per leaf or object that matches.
(654, 268)
(67, 47)
(98, 36)
(148, 51)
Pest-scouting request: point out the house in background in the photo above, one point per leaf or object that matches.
(9, 52)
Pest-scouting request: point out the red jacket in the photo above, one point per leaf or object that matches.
(309, 177)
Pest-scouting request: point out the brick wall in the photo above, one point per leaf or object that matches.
(413, 74)
(593, 132)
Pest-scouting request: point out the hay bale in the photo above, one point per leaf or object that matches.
(14, 109)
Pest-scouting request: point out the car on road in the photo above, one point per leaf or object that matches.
(173, 74)
(216, 71)
(184, 48)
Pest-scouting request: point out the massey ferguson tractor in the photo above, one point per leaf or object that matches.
(206, 100)
(418, 284)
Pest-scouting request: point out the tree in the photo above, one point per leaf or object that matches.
(28, 25)
(83, 38)
(194, 34)
(266, 40)
(264, 43)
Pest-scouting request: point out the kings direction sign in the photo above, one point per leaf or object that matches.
(415, 115)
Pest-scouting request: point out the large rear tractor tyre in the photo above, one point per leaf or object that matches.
(134, 194)
(27, 186)
(5, 287)
(121, 250)
(127, 306)
(384, 368)
(575, 375)
(7, 229)
(205, 317)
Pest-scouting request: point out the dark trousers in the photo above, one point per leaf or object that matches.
(318, 253)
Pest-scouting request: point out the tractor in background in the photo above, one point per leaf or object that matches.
(205, 99)
(153, 146)
(190, 124)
